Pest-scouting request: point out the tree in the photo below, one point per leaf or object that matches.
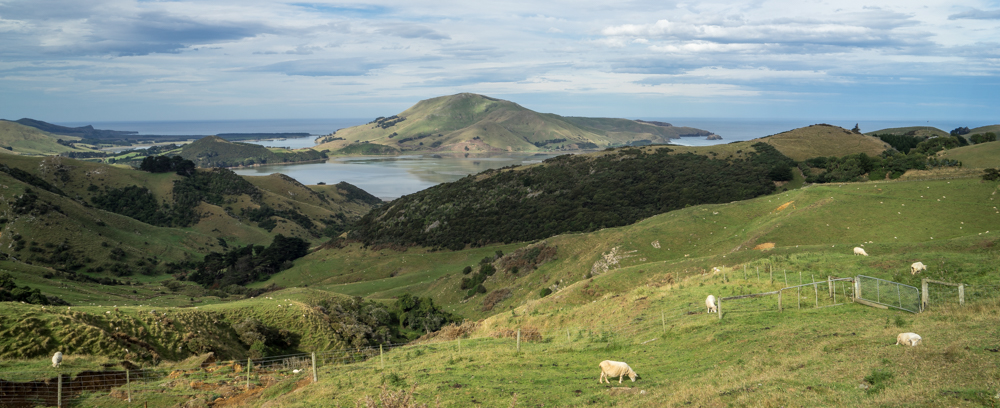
(856, 129)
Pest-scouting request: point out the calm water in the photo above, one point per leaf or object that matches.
(391, 177)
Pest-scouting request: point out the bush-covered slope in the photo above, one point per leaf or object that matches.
(96, 209)
(214, 151)
(569, 193)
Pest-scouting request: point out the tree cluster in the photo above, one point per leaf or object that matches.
(10, 292)
(983, 138)
(165, 164)
(960, 131)
(569, 193)
(420, 314)
(251, 263)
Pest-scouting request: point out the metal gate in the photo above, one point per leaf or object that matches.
(888, 293)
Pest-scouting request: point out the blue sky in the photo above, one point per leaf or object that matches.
(128, 60)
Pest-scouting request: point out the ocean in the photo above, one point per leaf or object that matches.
(731, 129)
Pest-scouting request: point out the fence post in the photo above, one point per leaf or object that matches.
(519, 340)
(59, 391)
(829, 286)
(786, 276)
(381, 359)
(961, 294)
(924, 296)
(315, 375)
(719, 308)
(857, 287)
(798, 296)
(816, 290)
(249, 364)
(771, 271)
(779, 301)
(128, 386)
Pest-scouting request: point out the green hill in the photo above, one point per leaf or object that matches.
(983, 155)
(76, 216)
(21, 139)
(823, 141)
(920, 131)
(569, 193)
(214, 151)
(985, 129)
(476, 123)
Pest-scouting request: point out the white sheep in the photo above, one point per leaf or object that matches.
(710, 302)
(908, 339)
(860, 251)
(56, 359)
(917, 267)
(615, 369)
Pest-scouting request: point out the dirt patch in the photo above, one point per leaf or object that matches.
(495, 297)
(764, 247)
(783, 206)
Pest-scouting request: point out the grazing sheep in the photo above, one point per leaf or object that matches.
(615, 369)
(917, 267)
(710, 302)
(908, 339)
(860, 251)
(56, 359)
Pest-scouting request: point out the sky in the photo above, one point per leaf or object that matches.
(134, 60)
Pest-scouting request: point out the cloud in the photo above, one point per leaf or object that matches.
(321, 67)
(976, 14)
(412, 31)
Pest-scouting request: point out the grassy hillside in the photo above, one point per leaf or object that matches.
(920, 131)
(22, 139)
(983, 155)
(823, 140)
(214, 151)
(647, 308)
(49, 218)
(475, 123)
(985, 129)
(898, 217)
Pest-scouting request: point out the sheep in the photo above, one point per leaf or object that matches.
(615, 368)
(710, 302)
(917, 267)
(860, 251)
(56, 359)
(908, 339)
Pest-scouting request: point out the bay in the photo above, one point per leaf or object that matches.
(389, 178)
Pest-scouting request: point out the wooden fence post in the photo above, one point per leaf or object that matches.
(59, 392)
(249, 364)
(128, 386)
(518, 340)
(816, 290)
(779, 301)
(719, 308)
(381, 359)
(961, 294)
(829, 286)
(315, 374)
(924, 296)
(857, 288)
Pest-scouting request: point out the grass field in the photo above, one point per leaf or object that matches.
(983, 155)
